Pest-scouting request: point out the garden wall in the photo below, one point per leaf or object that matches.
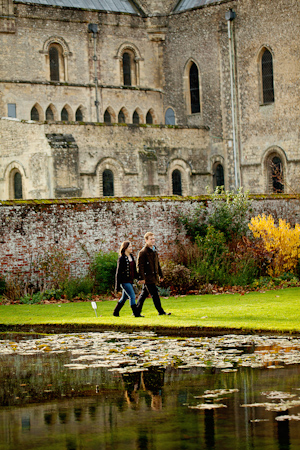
(82, 227)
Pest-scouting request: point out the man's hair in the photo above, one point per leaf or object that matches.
(147, 235)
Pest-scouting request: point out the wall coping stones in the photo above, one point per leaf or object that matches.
(200, 198)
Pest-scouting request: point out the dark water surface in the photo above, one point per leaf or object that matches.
(117, 391)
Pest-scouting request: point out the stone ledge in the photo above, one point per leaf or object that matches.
(200, 198)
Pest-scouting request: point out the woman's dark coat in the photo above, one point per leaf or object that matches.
(123, 271)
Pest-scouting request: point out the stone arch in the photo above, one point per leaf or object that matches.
(80, 114)
(126, 115)
(185, 172)
(40, 112)
(52, 108)
(191, 107)
(118, 175)
(64, 53)
(153, 116)
(56, 40)
(138, 111)
(129, 46)
(274, 171)
(134, 58)
(70, 114)
(215, 161)
(109, 110)
(261, 94)
(15, 167)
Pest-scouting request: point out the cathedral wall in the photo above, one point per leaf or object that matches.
(262, 129)
(266, 127)
(37, 27)
(25, 149)
(141, 158)
(74, 156)
(200, 36)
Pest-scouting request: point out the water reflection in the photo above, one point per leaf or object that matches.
(283, 434)
(209, 429)
(46, 405)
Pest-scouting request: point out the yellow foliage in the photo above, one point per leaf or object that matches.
(281, 241)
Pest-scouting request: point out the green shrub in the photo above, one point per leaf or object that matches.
(223, 264)
(78, 287)
(164, 292)
(48, 294)
(32, 299)
(103, 269)
(227, 212)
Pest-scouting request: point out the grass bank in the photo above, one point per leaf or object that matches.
(276, 311)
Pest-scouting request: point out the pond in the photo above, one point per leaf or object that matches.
(140, 391)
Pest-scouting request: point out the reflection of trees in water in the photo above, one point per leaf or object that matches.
(28, 379)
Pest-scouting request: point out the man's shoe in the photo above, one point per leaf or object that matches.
(164, 314)
(135, 311)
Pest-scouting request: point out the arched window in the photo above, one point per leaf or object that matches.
(34, 114)
(121, 117)
(267, 77)
(49, 114)
(276, 175)
(194, 89)
(126, 69)
(170, 117)
(54, 63)
(17, 183)
(108, 183)
(218, 175)
(176, 182)
(149, 118)
(136, 118)
(107, 117)
(64, 115)
(78, 115)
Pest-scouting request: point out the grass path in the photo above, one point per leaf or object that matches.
(273, 310)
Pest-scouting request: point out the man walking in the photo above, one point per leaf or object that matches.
(150, 274)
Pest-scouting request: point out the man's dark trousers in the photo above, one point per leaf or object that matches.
(152, 290)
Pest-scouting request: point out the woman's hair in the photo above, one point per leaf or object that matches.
(123, 247)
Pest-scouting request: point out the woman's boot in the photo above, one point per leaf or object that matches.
(118, 308)
(136, 311)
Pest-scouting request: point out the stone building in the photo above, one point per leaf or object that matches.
(149, 97)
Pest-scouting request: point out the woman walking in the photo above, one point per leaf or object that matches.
(125, 274)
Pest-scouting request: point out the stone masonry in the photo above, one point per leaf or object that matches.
(29, 230)
(235, 130)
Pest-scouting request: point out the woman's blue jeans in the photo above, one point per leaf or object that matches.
(127, 292)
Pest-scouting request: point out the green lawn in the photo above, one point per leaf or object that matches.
(271, 310)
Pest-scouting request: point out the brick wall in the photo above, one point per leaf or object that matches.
(83, 227)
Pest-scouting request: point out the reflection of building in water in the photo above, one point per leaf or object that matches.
(209, 428)
(132, 383)
(283, 432)
(153, 381)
